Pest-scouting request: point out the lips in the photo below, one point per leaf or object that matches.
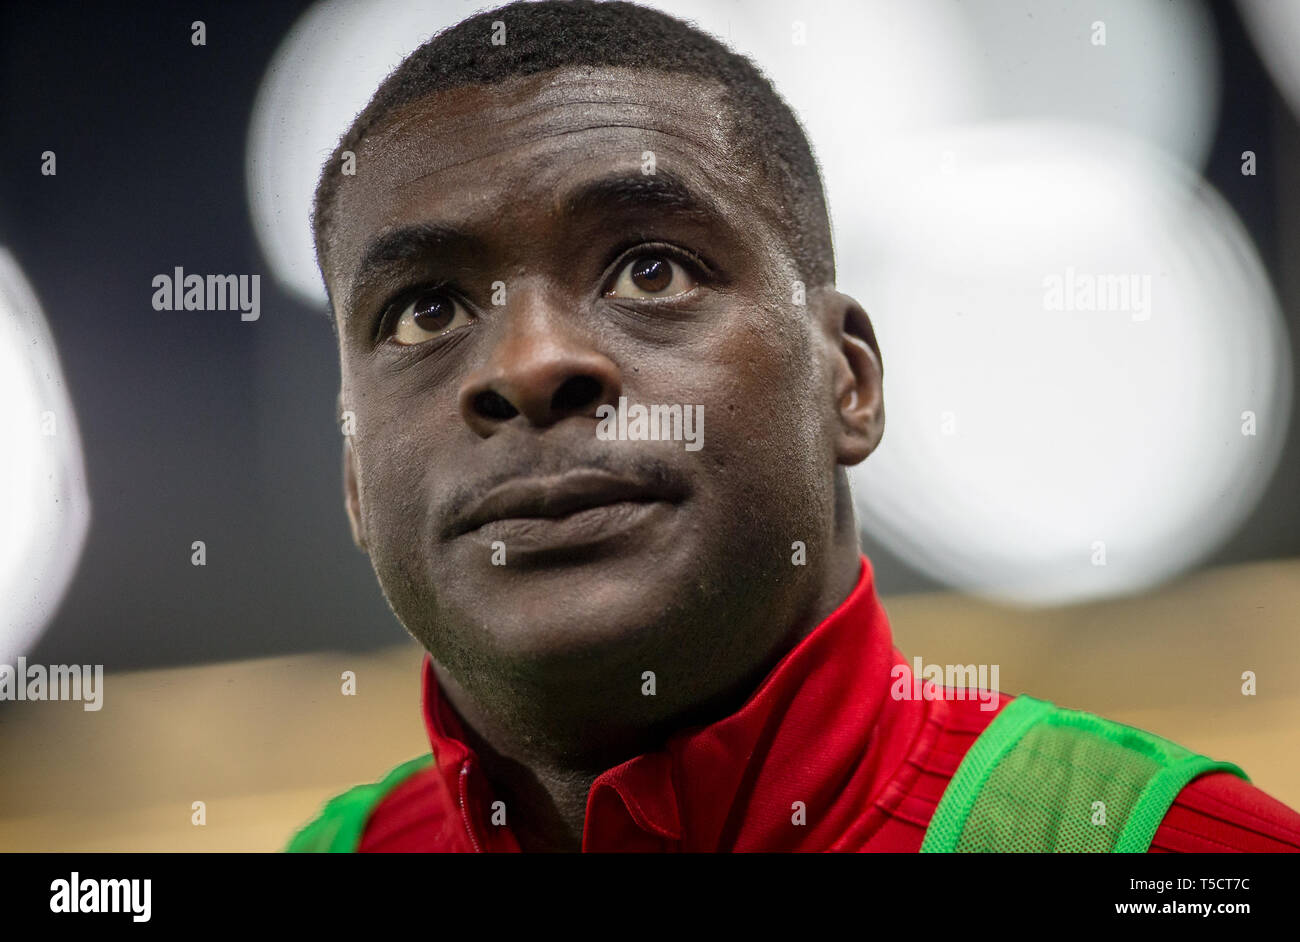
(554, 498)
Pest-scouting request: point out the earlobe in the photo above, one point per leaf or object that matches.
(352, 496)
(859, 374)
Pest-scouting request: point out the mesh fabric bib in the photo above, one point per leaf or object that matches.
(1044, 779)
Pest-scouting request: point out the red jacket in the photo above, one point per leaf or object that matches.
(821, 729)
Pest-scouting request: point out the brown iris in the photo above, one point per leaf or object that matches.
(651, 273)
(433, 312)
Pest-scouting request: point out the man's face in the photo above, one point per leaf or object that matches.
(502, 266)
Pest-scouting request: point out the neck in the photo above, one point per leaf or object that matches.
(546, 788)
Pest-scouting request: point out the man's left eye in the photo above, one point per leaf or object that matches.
(651, 276)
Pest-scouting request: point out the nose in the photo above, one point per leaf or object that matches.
(543, 367)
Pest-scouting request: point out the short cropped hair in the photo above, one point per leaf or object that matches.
(554, 34)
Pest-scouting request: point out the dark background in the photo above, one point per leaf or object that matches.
(197, 426)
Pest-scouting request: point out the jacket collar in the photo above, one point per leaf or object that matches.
(800, 746)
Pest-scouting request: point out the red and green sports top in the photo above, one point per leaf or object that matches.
(822, 758)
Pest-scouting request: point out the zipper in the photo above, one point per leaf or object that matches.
(464, 806)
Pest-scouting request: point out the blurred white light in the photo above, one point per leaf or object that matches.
(1274, 26)
(1019, 437)
(46, 508)
(1156, 76)
(332, 61)
(869, 72)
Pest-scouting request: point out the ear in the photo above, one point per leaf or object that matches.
(857, 377)
(351, 495)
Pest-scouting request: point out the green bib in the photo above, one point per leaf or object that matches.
(1043, 779)
(338, 828)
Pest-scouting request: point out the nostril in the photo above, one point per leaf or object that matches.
(575, 393)
(492, 405)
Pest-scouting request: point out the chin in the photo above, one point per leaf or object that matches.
(606, 607)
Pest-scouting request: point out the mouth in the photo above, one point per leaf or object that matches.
(576, 508)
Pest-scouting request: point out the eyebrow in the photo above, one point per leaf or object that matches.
(403, 245)
(660, 191)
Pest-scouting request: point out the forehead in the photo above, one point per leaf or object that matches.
(508, 155)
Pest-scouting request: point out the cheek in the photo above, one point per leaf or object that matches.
(771, 387)
(401, 420)
(795, 448)
(395, 496)
(766, 439)
(395, 470)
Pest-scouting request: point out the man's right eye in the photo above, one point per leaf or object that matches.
(431, 314)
